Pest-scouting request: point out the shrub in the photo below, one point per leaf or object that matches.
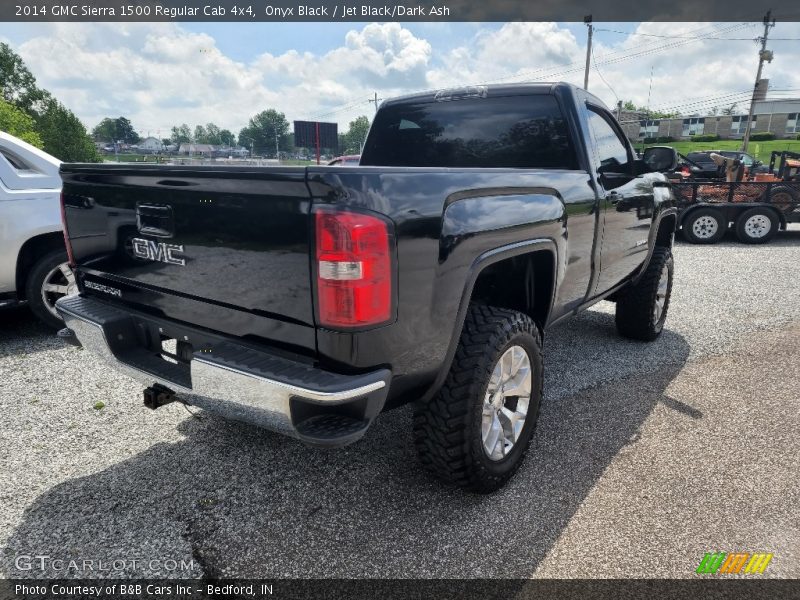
(659, 140)
(762, 136)
(708, 137)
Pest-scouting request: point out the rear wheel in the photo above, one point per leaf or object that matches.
(50, 279)
(757, 225)
(476, 430)
(704, 226)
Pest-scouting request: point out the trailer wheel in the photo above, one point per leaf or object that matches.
(704, 226)
(757, 225)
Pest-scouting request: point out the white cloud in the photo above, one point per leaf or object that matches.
(160, 74)
(513, 51)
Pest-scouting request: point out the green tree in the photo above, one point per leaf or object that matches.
(181, 134)
(17, 83)
(126, 132)
(355, 136)
(730, 110)
(18, 123)
(262, 129)
(64, 135)
(105, 131)
(226, 137)
(61, 133)
(200, 135)
(212, 134)
(115, 130)
(651, 114)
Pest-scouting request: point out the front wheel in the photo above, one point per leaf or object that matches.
(50, 279)
(642, 308)
(476, 430)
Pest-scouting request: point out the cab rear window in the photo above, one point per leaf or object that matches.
(501, 132)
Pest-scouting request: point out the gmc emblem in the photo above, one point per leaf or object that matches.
(158, 251)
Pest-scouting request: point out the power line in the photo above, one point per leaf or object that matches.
(612, 57)
(682, 37)
(604, 79)
(609, 58)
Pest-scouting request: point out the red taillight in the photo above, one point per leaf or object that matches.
(354, 269)
(70, 257)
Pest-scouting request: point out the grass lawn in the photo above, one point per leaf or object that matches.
(761, 150)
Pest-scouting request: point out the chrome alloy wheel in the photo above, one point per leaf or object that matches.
(757, 226)
(705, 227)
(505, 405)
(661, 294)
(59, 282)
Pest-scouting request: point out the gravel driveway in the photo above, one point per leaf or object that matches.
(647, 456)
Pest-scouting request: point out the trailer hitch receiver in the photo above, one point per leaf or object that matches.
(157, 396)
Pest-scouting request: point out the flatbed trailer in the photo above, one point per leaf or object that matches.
(756, 210)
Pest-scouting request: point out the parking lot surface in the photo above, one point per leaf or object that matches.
(646, 457)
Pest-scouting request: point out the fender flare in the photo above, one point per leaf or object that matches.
(484, 260)
(653, 236)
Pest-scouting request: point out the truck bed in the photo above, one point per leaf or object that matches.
(232, 239)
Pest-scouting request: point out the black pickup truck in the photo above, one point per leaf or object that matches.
(307, 300)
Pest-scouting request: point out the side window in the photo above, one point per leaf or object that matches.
(16, 162)
(514, 132)
(612, 151)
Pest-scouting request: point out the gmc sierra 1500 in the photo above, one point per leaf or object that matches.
(308, 300)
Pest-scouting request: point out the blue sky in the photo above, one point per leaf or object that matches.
(162, 74)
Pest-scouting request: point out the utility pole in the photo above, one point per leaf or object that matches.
(277, 153)
(588, 20)
(376, 100)
(647, 111)
(763, 55)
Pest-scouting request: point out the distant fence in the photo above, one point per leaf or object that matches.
(192, 160)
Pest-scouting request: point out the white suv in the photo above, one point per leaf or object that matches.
(33, 259)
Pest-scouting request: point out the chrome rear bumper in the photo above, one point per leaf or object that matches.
(233, 380)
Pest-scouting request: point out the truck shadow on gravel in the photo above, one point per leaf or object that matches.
(788, 237)
(243, 502)
(22, 333)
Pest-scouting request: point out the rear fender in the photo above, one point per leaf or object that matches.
(478, 266)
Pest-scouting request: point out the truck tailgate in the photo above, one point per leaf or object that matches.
(226, 248)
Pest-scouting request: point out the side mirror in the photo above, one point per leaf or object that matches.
(660, 158)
